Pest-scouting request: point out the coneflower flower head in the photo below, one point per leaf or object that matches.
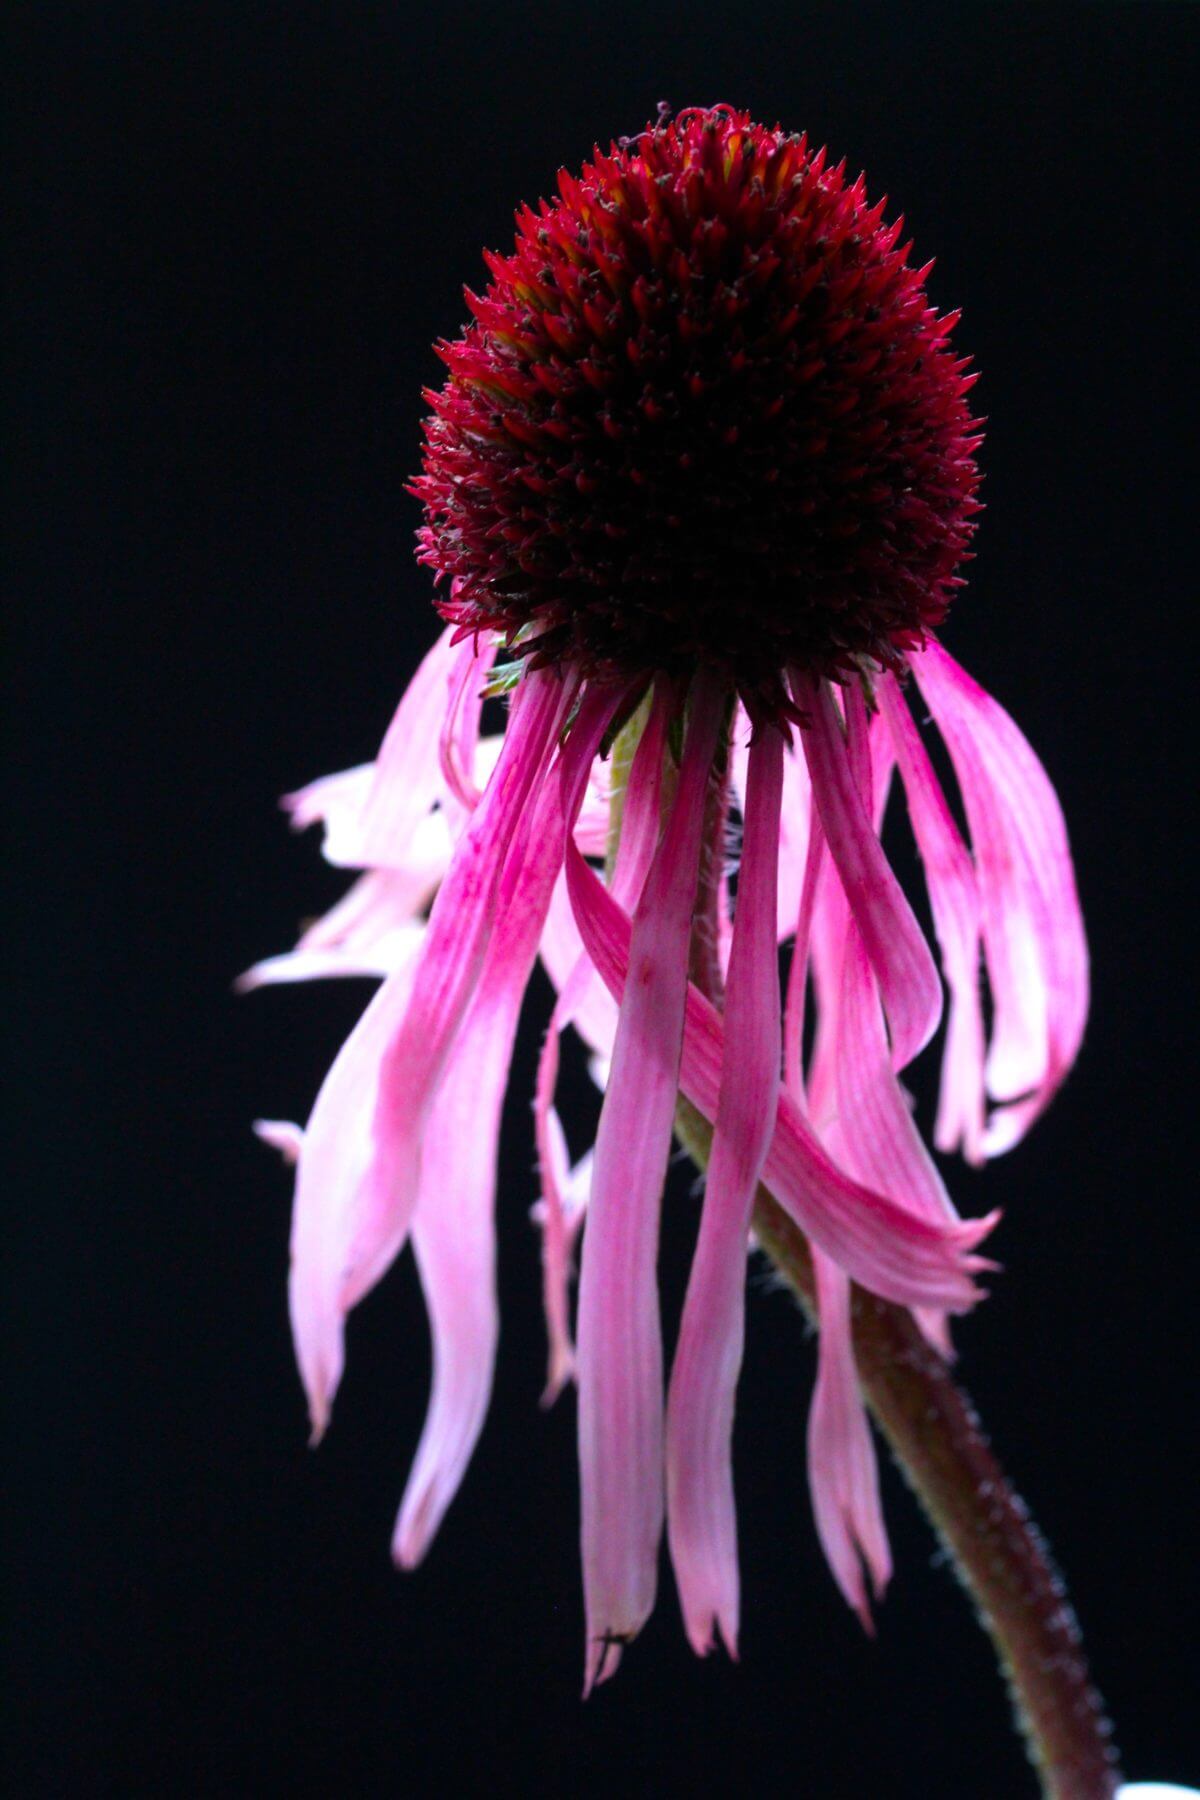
(704, 449)
(704, 413)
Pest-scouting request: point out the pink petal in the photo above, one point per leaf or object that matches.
(881, 1246)
(863, 1114)
(701, 1516)
(453, 1226)
(908, 979)
(797, 988)
(334, 1159)
(874, 1137)
(794, 815)
(408, 775)
(1032, 926)
(639, 838)
(358, 1173)
(372, 930)
(593, 1009)
(458, 739)
(379, 960)
(591, 828)
(954, 898)
(282, 1135)
(336, 803)
(619, 1338)
(555, 1254)
(842, 1470)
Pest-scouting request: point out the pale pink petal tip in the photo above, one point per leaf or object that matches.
(280, 1134)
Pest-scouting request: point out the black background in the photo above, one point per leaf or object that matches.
(237, 232)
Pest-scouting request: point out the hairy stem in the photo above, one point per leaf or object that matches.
(939, 1444)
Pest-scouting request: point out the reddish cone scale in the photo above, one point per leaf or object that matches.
(704, 413)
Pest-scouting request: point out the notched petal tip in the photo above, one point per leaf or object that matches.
(604, 1655)
(713, 1629)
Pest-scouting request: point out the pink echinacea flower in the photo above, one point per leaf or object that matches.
(703, 460)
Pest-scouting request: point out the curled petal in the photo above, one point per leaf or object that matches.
(559, 1213)
(874, 1136)
(908, 980)
(842, 1469)
(408, 773)
(1033, 933)
(458, 739)
(954, 899)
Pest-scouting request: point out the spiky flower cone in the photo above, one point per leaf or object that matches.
(704, 413)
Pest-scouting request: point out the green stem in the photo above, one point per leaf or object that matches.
(938, 1442)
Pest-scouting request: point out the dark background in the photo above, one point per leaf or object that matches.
(237, 231)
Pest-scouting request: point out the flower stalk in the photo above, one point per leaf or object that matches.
(935, 1435)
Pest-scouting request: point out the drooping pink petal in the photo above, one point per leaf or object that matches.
(701, 1517)
(454, 1242)
(794, 814)
(408, 774)
(593, 1011)
(893, 1253)
(453, 1225)
(372, 929)
(335, 802)
(572, 1187)
(619, 1335)
(870, 759)
(639, 837)
(874, 1136)
(1033, 932)
(905, 969)
(460, 926)
(862, 1112)
(377, 960)
(842, 1469)
(358, 1173)
(954, 899)
(458, 739)
(591, 827)
(334, 1158)
(547, 1132)
(794, 1010)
